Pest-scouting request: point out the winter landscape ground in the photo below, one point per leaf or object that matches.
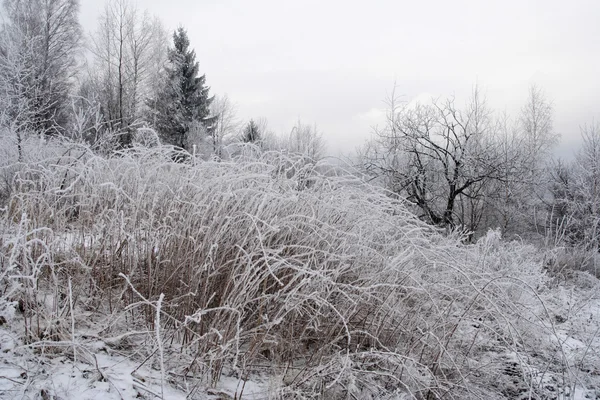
(268, 277)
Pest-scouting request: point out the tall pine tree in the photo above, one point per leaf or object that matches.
(184, 99)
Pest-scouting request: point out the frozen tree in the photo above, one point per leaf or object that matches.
(306, 140)
(17, 111)
(538, 130)
(538, 139)
(147, 48)
(437, 155)
(575, 187)
(38, 55)
(251, 133)
(516, 200)
(225, 123)
(129, 52)
(467, 167)
(504, 204)
(184, 98)
(525, 189)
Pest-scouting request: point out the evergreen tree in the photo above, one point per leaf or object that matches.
(184, 98)
(251, 133)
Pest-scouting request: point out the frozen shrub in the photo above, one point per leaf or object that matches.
(333, 285)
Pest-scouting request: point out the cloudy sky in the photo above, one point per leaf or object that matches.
(332, 62)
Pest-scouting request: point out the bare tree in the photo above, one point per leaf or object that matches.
(517, 201)
(575, 188)
(503, 201)
(531, 180)
(437, 155)
(18, 114)
(147, 42)
(538, 129)
(226, 123)
(129, 49)
(306, 140)
(108, 47)
(38, 56)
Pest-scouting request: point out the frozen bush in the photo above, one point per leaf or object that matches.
(262, 263)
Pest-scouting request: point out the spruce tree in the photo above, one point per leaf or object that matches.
(184, 98)
(251, 133)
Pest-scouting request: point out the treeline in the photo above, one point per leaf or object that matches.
(468, 168)
(108, 89)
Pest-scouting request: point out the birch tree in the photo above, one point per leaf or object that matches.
(226, 123)
(129, 53)
(39, 45)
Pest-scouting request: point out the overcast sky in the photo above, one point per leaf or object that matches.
(332, 62)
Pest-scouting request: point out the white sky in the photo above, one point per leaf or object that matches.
(332, 62)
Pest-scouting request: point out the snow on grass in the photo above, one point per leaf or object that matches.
(31, 372)
(264, 278)
(28, 374)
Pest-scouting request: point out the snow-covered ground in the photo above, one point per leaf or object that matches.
(95, 369)
(49, 371)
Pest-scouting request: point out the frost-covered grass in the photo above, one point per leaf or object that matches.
(269, 268)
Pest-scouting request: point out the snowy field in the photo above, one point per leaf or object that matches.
(105, 371)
